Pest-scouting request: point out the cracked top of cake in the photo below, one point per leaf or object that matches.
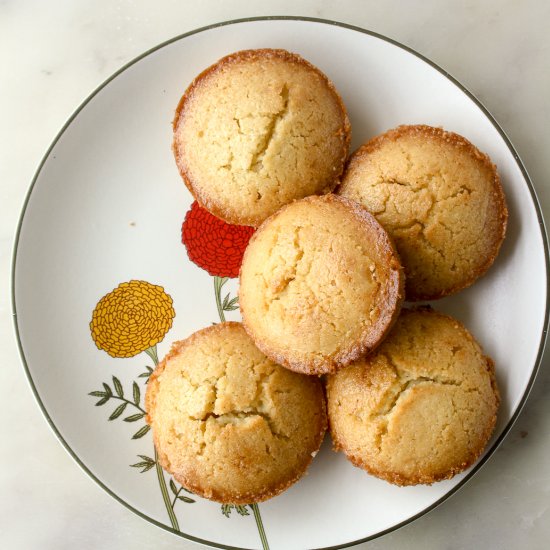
(320, 284)
(421, 408)
(259, 129)
(228, 423)
(440, 199)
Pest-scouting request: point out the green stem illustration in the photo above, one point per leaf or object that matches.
(152, 353)
(165, 495)
(260, 525)
(176, 495)
(129, 403)
(218, 283)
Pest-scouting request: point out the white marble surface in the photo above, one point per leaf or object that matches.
(52, 54)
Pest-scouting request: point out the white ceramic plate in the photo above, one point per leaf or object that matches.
(106, 207)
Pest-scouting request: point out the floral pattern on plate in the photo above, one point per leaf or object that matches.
(136, 316)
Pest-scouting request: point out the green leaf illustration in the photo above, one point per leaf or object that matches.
(146, 464)
(108, 394)
(229, 304)
(232, 304)
(146, 374)
(242, 510)
(143, 465)
(226, 509)
(186, 499)
(134, 417)
(137, 394)
(118, 387)
(118, 411)
(147, 459)
(173, 487)
(141, 432)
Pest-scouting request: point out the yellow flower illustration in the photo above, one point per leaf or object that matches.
(132, 318)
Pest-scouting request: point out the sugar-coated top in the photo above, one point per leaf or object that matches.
(321, 284)
(440, 199)
(257, 130)
(421, 408)
(230, 424)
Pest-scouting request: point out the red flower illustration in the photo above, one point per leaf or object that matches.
(212, 244)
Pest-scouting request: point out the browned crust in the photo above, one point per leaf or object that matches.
(188, 481)
(454, 140)
(370, 339)
(235, 58)
(339, 444)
